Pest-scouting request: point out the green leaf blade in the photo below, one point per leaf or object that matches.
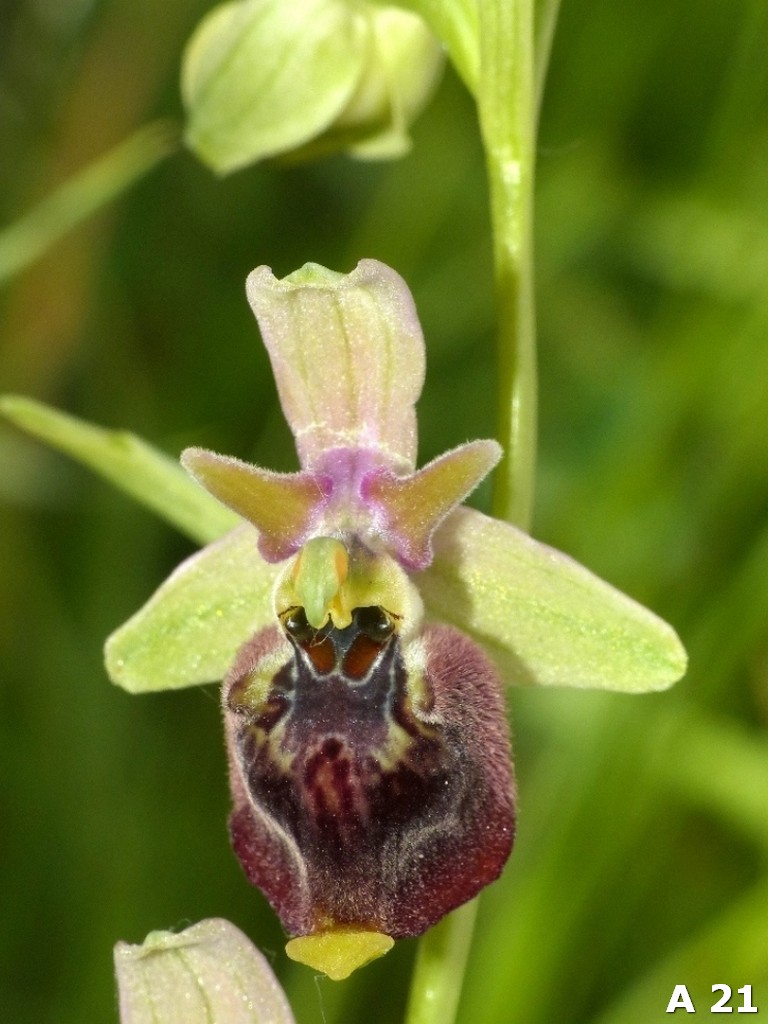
(98, 184)
(122, 458)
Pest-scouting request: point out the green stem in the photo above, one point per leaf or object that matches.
(509, 89)
(439, 971)
(507, 109)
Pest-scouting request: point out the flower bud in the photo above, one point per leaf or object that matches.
(208, 972)
(263, 78)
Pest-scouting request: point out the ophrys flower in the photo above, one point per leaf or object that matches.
(364, 622)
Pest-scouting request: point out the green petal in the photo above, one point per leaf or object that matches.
(281, 506)
(137, 468)
(261, 77)
(208, 973)
(190, 629)
(544, 618)
(412, 507)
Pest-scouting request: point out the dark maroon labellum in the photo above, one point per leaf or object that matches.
(365, 796)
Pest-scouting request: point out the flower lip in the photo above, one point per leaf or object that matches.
(372, 783)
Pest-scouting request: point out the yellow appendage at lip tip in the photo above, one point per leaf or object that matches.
(339, 952)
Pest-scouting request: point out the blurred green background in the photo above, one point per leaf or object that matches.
(641, 861)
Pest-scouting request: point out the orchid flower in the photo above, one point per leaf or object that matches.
(365, 625)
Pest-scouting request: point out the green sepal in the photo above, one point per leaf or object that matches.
(129, 463)
(347, 353)
(191, 628)
(545, 619)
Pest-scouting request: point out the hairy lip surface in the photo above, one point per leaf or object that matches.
(354, 805)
